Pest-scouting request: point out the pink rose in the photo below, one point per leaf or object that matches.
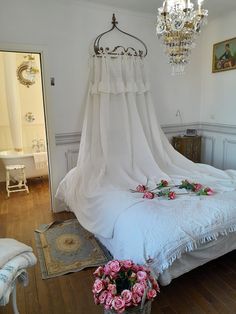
(107, 269)
(151, 294)
(99, 271)
(139, 289)
(136, 299)
(197, 187)
(209, 191)
(112, 288)
(149, 195)
(98, 286)
(171, 195)
(102, 297)
(141, 275)
(164, 183)
(127, 264)
(135, 268)
(114, 266)
(127, 297)
(111, 268)
(109, 299)
(118, 304)
(141, 188)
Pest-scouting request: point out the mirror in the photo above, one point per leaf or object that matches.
(27, 71)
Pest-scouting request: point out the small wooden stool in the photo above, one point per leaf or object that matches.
(16, 173)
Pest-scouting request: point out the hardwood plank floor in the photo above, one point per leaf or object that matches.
(208, 289)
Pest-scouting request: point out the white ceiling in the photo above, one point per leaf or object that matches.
(215, 7)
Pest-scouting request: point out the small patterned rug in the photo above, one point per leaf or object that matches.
(65, 247)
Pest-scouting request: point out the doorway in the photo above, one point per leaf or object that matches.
(24, 162)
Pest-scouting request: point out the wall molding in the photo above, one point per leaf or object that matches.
(200, 126)
(68, 138)
(216, 146)
(179, 128)
(217, 128)
(75, 137)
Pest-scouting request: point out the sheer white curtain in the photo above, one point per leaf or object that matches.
(122, 146)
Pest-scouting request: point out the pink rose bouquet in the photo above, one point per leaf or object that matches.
(120, 285)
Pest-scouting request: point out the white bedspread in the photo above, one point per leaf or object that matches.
(162, 230)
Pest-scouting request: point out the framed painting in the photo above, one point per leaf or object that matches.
(224, 55)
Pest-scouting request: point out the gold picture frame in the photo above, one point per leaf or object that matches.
(224, 55)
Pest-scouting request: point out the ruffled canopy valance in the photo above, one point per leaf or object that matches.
(116, 75)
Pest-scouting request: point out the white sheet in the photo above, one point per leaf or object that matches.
(163, 231)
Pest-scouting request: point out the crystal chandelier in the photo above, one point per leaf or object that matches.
(178, 24)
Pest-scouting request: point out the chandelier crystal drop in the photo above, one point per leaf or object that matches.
(178, 25)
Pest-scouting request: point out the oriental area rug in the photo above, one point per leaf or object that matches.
(65, 247)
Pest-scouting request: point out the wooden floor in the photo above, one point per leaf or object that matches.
(208, 289)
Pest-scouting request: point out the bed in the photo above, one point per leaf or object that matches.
(122, 146)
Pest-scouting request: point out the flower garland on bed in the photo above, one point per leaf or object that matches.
(163, 189)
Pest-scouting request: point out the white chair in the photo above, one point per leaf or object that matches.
(16, 173)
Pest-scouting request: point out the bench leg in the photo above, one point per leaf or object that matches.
(14, 304)
(7, 183)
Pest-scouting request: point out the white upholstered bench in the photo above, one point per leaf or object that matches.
(15, 258)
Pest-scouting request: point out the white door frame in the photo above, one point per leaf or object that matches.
(48, 112)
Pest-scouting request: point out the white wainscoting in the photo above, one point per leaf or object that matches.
(208, 149)
(218, 144)
(71, 158)
(229, 154)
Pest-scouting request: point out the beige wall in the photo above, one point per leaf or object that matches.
(31, 101)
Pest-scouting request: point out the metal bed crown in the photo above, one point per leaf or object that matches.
(118, 50)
